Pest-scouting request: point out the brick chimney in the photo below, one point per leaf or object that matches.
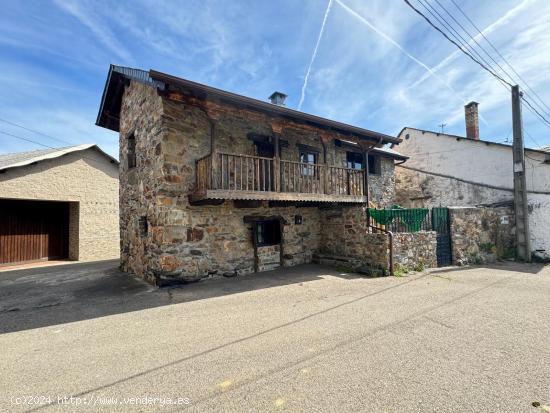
(472, 121)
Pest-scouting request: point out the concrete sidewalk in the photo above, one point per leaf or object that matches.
(302, 339)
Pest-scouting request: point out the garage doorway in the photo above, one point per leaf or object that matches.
(33, 231)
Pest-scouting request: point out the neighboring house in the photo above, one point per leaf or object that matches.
(454, 170)
(217, 183)
(58, 204)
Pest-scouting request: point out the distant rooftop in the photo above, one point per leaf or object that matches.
(14, 160)
(544, 150)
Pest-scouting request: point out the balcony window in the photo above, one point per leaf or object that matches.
(309, 158)
(354, 160)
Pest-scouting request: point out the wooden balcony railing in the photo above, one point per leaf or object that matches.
(249, 173)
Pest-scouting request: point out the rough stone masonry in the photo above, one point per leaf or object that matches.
(164, 236)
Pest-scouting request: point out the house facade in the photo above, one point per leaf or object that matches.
(58, 204)
(214, 183)
(466, 171)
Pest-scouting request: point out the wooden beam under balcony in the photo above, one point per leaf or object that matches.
(275, 196)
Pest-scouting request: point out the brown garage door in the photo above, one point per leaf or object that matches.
(33, 230)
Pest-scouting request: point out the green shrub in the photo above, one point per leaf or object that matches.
(420, 266)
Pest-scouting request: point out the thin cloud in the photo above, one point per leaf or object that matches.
(101, 32)
(492, 27)
(314, 55)
(397, 45)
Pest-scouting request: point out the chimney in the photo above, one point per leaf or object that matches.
(278, 98)
(472, 121)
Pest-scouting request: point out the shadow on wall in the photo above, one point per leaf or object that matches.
(42, 297)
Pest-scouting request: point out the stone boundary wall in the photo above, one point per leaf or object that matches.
(482, 235)
(415, 250)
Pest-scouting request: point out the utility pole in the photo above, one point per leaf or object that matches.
(521, 210)
(442, 126)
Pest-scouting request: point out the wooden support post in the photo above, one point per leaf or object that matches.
(366, 178)
(366, 147)
(277, 128)
(276, 162)
(213, 119)
(326, 139)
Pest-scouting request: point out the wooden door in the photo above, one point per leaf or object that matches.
(33, 230)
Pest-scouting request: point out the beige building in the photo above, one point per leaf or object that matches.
(59, 204)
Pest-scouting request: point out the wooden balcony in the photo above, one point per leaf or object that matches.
(230, 176)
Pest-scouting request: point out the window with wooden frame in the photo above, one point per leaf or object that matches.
(309, 158)
(354, 160)
(131, 151)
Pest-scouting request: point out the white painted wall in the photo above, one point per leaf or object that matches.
(483, 163)
(471, 160)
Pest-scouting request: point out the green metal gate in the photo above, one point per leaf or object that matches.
(441, 225)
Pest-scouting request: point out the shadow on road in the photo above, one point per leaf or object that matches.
(40, 297)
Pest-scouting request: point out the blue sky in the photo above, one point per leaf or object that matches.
(368, 69)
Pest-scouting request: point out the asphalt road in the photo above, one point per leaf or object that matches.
(302, 339)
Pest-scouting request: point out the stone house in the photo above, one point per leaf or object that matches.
(58, 204)
(214, 183)
(465, 171)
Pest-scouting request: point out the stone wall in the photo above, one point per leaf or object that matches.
(89, 182)
(416, 189)
(415, 250)
(165, 236)
(382, 185)
(481, 235)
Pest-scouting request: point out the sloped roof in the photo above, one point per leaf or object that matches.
(15, 160)
(474, 141)
(390, 153)
(119, 76)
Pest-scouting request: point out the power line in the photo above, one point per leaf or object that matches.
(26, 139)
(463, 42)
(35, 131)
(541, 108)
(536, 112)
(456, 44)
(499, 54)
(489, 70)
(41, 144)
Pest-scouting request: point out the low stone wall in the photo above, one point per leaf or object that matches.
(482, 235)
(345, 241)
(415, 250)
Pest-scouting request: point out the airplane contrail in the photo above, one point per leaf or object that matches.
(393, 42)
(500, 21)
(429, 71)
(314, 55)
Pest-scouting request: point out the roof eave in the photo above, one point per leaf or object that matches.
(274, 109)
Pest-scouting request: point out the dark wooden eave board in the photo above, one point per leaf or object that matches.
(207, 92)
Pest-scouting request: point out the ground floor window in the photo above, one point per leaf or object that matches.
(268, 232)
